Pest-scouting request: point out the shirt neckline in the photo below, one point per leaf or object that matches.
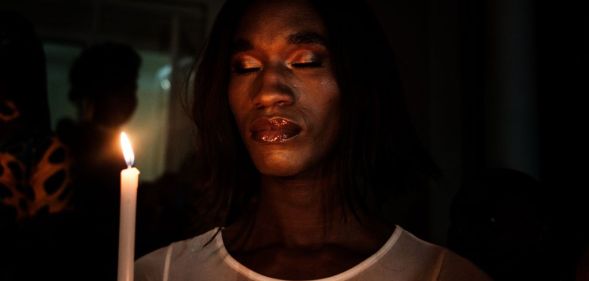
(347, 274)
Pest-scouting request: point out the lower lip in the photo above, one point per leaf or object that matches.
(272, 136)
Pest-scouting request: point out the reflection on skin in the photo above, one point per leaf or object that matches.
(281, 70)
(274, 130)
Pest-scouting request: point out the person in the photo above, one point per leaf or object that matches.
(35, 166)
(103, 85)
(309, 150)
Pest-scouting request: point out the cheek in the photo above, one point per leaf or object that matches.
(331, 111)
(237, 92)
(325, 102)
(332, 97)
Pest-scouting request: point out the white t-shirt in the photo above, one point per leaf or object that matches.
(403, 257)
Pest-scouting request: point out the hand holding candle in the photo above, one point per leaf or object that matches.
(129, 183)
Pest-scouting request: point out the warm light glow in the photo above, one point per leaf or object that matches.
(127, 149)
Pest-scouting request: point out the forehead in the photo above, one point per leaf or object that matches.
(266, 20)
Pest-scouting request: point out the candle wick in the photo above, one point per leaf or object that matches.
(129, 166)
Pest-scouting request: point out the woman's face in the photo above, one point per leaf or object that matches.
(282, 89)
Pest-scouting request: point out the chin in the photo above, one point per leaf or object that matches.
(278, 170)
(278, 166)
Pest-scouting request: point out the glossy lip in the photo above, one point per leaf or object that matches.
(273, 130)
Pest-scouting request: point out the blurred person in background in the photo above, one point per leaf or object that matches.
(103, 86)
(35, 166)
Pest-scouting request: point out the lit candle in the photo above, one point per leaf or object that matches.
(129, 182)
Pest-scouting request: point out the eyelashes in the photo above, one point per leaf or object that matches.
(242, 67)
(308, 64)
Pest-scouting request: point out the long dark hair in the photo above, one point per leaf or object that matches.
(378, 156)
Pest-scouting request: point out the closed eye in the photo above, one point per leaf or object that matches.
(240, 69)
(245, 64)
(309, 64)
(306, 58)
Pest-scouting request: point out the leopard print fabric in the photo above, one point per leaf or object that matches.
(35, 178)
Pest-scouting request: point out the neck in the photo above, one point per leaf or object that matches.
(297, 209)
(296, 224)
(301, 214)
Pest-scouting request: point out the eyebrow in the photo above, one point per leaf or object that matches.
(304, 37)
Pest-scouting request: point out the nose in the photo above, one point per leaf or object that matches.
(274, 88)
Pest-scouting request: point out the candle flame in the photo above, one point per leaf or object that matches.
(127, 149)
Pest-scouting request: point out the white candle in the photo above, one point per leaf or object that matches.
(129, 183)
